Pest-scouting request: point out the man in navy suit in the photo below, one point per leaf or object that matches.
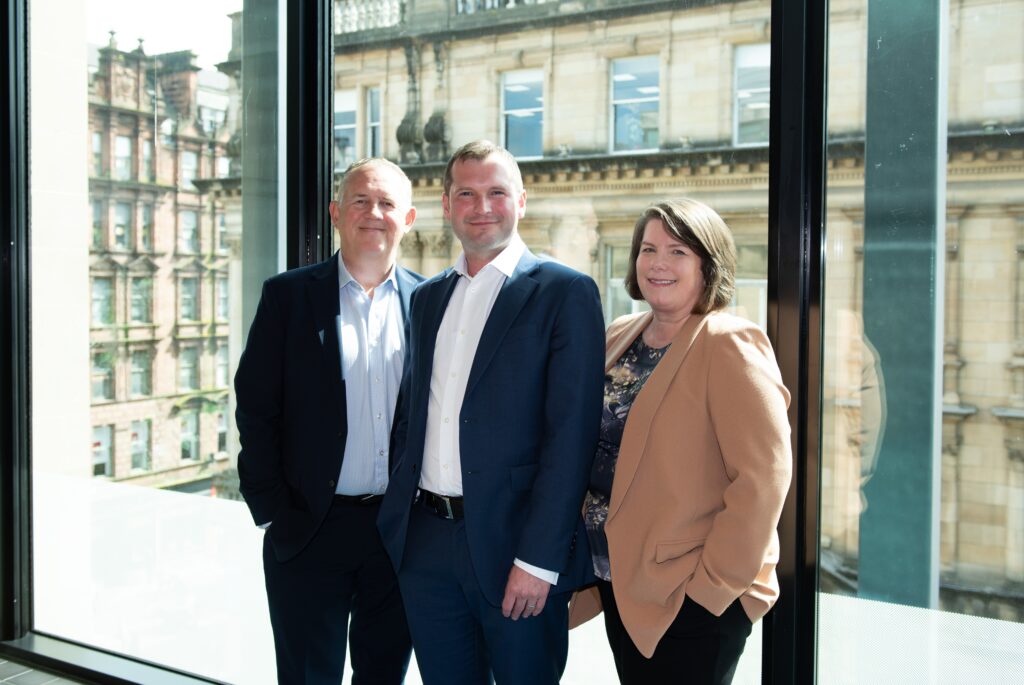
(317, 388)
(501, 403)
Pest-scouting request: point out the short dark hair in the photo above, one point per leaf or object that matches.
(372, 161)
(700, 228)
(480, 150)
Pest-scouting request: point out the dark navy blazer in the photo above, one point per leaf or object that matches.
(528, 425)
(291, 412)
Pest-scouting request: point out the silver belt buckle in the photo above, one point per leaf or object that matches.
(448, 506)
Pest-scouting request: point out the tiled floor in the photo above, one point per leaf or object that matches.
(12, 672)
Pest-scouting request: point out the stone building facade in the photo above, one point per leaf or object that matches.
(613, 105)
(158, 270)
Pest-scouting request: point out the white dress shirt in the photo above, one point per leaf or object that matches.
(371, 337)
(454, 351)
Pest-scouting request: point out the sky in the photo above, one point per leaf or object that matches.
(198, 25)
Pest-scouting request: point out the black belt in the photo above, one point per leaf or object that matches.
(361, 500)
(442, 505)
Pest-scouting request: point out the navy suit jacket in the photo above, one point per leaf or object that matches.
(291, 412)
(528, 425)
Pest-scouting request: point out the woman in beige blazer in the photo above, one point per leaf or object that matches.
(693, 462)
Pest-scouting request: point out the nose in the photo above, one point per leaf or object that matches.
(375, 210)
(483, 205)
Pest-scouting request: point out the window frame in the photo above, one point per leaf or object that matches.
(504, 112)
(613, 103)
(798, 41)
(737, 49)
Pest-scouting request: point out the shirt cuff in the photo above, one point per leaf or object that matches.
(266, 525)
(543, 574)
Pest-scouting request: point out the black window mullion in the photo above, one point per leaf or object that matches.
(795, 234)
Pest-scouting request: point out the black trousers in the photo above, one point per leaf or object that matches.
(344, 573)
(698, 648)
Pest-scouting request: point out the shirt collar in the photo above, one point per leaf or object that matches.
(505, 262)
(344, 277)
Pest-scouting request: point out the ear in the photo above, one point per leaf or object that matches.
(335, 211)
(446, 206)
(522, 204)
(410, 219)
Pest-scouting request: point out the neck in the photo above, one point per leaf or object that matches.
(664, 327)
(476, 261)
(369, 273)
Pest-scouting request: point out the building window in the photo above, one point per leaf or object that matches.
(141, 310)
(122, 158)
(344, 129)
(122, 225)
(97, 153)
(522, 112)
(97, 224)
(188, 237)
(373, 130)
(223, 167)
(142, 459)
(222, 299)
(102, 375)
(189, 169)
(222, 365)
(147, 161)
(188, 368)
(188, 299)
(190, 436)
(635, 100)
(146, 229)
(102, 301)
(222, 234)
(211, 119)
(222, 427)
(103, 451)
(142, 374)
(752, 94)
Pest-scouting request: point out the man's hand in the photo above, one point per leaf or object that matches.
(525, 595)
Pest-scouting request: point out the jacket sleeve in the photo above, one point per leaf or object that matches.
(747, 406)
(258, 413)
(572, 413)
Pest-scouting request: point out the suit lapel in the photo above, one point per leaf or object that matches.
(650, 397)
(406, 284)
(513, 295)
(322, 289)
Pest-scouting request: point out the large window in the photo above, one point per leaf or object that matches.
(148, 171)
(344, 128)
(142, 457)
(189, 168)
(636, 95)
(122, 225)
(103, 451)
(142, 373)
(188, 236)
(98, 240)
(189, 423)
(752, 72)
(102, 301)
(146, 228)
(373, 128)
(188, 299)
(188, 368)
(522, 107)
(102, 375)
(122, 158)
(222, 308)
(141, 308)
(97, 154)
(223, 366)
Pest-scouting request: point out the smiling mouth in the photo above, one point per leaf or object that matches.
(660, 281)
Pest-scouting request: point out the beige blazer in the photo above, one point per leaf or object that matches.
(702, 472)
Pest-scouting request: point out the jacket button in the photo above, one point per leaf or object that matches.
(330, 483)
(341, 434)
(414, 468)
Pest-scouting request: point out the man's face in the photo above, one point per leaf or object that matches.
(374, 213)
(484, 205)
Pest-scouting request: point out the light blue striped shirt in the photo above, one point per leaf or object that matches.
(372, 340)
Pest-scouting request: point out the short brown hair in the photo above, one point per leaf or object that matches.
(700, 228)
(480, 150)
(373, 161)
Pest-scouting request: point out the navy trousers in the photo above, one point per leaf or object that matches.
(344, 573)
(459, 637)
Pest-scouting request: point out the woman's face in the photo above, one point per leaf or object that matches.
(668, 272)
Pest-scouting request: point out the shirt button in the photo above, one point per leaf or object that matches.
(330, 483)
(376, 379)
(446, 419)
(378, 417)
(381, 453)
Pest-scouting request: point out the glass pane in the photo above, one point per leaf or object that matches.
(922, 545)
(148, 258)
(610, 111)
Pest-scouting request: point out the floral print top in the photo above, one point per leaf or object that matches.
(621, 386)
